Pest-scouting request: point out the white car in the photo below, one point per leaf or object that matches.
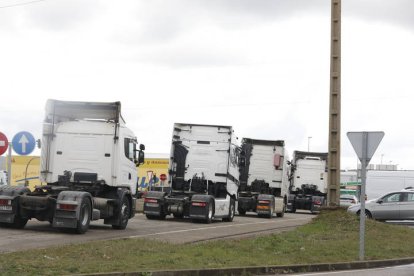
(392, 206)
(348, 200)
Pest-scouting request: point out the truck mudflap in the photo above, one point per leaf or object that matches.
(68, 212)
(265, 205)
(9, 206)
(154, 205)
(202, 208)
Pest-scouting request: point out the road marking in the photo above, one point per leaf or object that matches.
(206, 228)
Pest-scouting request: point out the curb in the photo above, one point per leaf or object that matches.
(284, 269)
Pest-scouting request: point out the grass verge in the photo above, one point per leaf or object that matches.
(331, 237)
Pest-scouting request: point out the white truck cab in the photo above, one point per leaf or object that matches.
(88, 162)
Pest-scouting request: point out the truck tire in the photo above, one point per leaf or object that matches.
(210, 212)
(160, 217)
(232, 210)
(241, 211)
(123, 214)
(19, 222)
(178, 216)
(84, 216)
(282, 214)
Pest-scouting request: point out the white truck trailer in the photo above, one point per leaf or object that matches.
(264, 178)
(308, 181)
(203, 175)
(88, 166)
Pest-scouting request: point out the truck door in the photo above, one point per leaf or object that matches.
(128, 167)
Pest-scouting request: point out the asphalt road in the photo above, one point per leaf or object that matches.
(404, 270)
(41, 235)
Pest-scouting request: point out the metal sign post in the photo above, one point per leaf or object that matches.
(362, 197)
(9, 165)
(365, 145)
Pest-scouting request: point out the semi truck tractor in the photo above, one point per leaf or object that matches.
(264, 178)
(88, 170)
(203, 175)
(308, 181)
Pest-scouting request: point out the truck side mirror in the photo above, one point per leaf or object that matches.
(141, 158)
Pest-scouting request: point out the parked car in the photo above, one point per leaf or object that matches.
(392, 206)
(348, 200)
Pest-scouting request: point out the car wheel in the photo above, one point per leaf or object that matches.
(368, 214)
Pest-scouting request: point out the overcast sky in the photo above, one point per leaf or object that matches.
(261, 66)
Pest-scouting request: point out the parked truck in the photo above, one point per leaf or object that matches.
(308, 181)
(88, 167)
(264, 178)
(203, 175)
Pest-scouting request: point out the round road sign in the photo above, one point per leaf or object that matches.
(4, 143)
(23, 143)
(163, 177)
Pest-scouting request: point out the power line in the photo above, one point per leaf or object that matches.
(21, 4)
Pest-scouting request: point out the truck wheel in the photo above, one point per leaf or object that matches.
(282, 214)
(19, 222)
(241, 211)
(231, 212)
(123, 215)
(210, 212)
(179, 216)
(161, 217)
(84, 216)
(150, 216)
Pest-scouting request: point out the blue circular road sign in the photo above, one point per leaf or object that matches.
(23, 143)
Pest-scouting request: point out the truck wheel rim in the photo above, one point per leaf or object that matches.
(124, 212)
(85, 215)
(210, 211)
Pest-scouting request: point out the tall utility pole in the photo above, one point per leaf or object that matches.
(334, 151)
